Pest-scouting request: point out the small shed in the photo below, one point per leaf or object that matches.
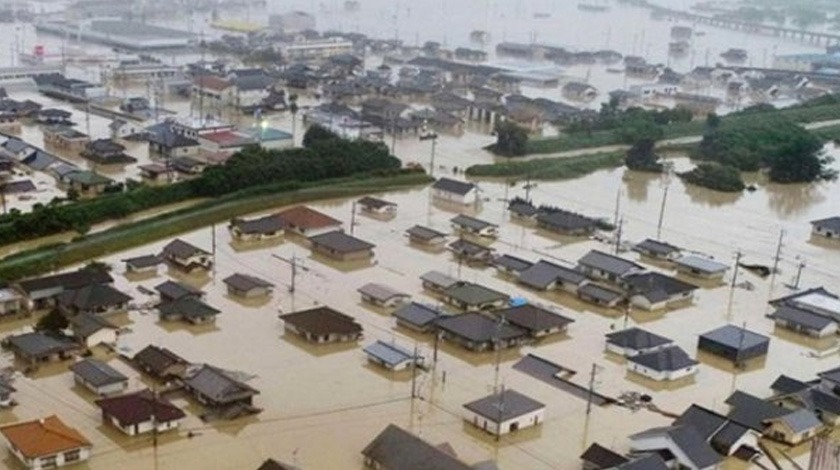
(391, 356)
(98, 377)
(247, 286)
(425, 236)
(700, 266)
(376, 206)
(734, 343)
(143, 264)
(454, 191)
(382, 295)
(505, 412)
(340, 246)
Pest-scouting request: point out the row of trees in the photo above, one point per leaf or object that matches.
(786, 150)
(324, 157)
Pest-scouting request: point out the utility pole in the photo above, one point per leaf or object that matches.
(154, 426)
(591, 391)
(353, 218)
(435, 352)
(795, 282)
(618, 235)
(738, 255)
(497, 343)
(433, 137)
(528, 187)
(295, 266)
(414, 374)
(617, 206)
(213, 240)
(778, 256)
(662, 213)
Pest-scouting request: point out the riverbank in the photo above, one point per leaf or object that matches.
(558, 168)
(52, 257)
(569, 142)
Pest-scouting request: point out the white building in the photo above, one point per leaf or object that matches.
(505, 412)
(316, 49)
(454, 191)
(671, 363)
(98, 377)
(46, 443)
(828, 228)
(140, 413)
(93, 330)
(635, 341)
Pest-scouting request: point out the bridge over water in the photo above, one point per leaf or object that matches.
(811, 37)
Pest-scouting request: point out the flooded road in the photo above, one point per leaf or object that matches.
(322, 405)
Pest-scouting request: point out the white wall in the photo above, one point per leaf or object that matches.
(525, 421)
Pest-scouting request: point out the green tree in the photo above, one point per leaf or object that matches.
(715, 176)
(52, 323)
(511, 139)
(317, 133)
(642, 157)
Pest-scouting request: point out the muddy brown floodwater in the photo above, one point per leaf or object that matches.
(323, 405)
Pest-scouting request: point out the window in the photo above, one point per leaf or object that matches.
(73, 455)
(48, 462)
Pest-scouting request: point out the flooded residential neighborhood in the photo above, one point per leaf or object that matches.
(420, 235)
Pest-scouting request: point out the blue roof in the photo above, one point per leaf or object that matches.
(390, 354)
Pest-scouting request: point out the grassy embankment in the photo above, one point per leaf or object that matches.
(549, 168)
(48, 258)
(564, 143)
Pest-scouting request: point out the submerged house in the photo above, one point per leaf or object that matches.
(477, 332)
(140, 413)
(537, 321)
(322, 325)
(469, 296)
(734, 343)
(426, 236)
(269, 227)
(606, 267)
(98, 377)
(397, 449)
(46, 442)
(215, 388)
(655, 291)
(454, 191)
(341, 246)
(391, 356)
(828, 228)
(668, 363)
(186, 257)
(505, 412)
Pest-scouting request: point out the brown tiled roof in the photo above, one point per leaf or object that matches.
(322, 321)
(306, 218)
(43, 437)
(136, 408)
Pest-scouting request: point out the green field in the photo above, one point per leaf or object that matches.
(122, 237)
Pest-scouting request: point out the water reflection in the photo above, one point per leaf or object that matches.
(707, 197)
(789, 200)
(636, 184)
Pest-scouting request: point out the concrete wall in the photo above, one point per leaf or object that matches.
(521, 422)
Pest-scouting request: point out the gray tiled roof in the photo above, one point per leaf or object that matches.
(803, 318)
(439, 279)
(246, 282)
(701, 263)
(417, 314)
(218, 385)
(735, 337)
(395, 448)
(831, 223)
(86, 324)
(600, 293)
(478, 328)
(474, 294)
(608, 263)
(424, 233)
(668, 359)
(800, 420)
(504, 406)
(182, 249)
(453, 186)
(656, 247)
(689, 441)
(543, 273)
(341, 242)
(97, 373)
(512, 262)
(388, 353)
(533, 318)
(380, 292)
(636, 338)
(469, 222)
